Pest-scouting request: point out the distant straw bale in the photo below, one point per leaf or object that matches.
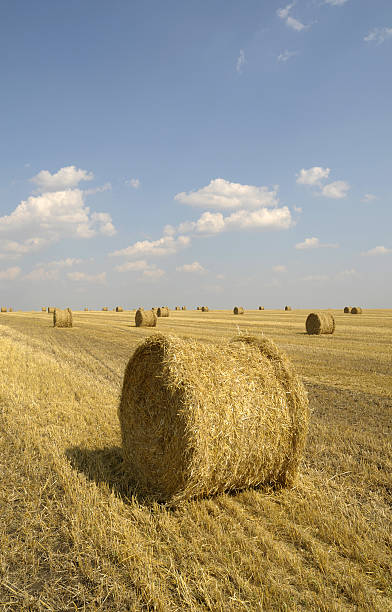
(320, 323)
(119, 309)
(183, 307)
(347, 309)
(177, 308)
(50, 309)
(62, 318)
(163, 311)
(200, 418)
(145, 318)
(86, 310)
(238, 310)
(198, 308)
(287, 308)
(3, 309)
(261, 307)
(43, 309)
(204, 308)
(10, 309)
(105, 309)
(356, 310)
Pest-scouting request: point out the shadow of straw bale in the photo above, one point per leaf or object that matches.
(104, 465)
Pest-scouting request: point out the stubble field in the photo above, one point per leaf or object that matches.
(75, 536)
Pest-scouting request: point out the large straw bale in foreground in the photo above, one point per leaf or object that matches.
(62, 318)
(145, 318)
(347, 309)
(320, 323)
(238, 310)
(163, 311)
(198, 419)
(356, 310)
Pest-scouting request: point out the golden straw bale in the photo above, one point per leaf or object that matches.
(183, 307)
(145, 318)
(204, 308)
(198, 308)
(200, 418)
(50, 309)
(177, 308)
(119, 309)
(356, 310)
(105, 309)
(3, 309)
(62, 318)
(43, 309)
(320, 323)
(287, 307)
(86, 310)
(10, 309)
(238, 310)
(163, 311)
(261, 307)
(347, 309)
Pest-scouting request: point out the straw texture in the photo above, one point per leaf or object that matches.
(356, 310)
(3, 309)
(238, 310)
(347, 309)
(105, 308)
(320, 323)
(62, 318)
(163, 311)
(51, 309)
(261, 307)
(119, 309)
(204, 308)
(199, 418)
(145, 318)
(287, 307)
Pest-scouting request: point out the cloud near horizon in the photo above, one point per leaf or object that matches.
(313, 243)
(315, 176)
(378, 250)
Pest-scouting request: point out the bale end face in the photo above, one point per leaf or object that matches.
(320, 323)
(347, 309)
(204, 309)
(145, 318)
(199, 419)
(261, 307)
(287, 308)
(183, 307)
(238, 310)
(62, 318)
(356, 310)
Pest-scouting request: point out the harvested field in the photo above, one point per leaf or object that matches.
(74, 535)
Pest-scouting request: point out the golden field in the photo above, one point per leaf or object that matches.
(76, 536)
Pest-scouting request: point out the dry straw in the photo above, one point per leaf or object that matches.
(198, 308)
(145, 318)
(178, 308)
(356, 310)
(183, 307)
(3, 309)
(287, 307)
(10, 309)
(261, 307)
(105, 308)
(204, 308)
(119, 309)
(43, 308)
(86, 310)
(200, 418)
(347, 309)
(62, 318)
(238, 310)
(320, 323)
(163, 311)
(51, 309)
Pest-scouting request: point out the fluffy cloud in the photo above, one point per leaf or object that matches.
(10, 273)
(167, 245)
(99, 279)
(134, 182)
(286, 55)
(150, 271)
(68, 177)
(14, 249)
(335, 2)
(64, 263)
(368, 197)
(291, 22)
(313, 243)
(264, 218)
(378, 35)
(378, 250)
(194, 267)
(240, 61)
(221, 194)
(41, 273)
(312, 176)
(335, 190)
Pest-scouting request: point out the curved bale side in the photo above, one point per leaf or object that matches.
(199, 419)
(145, 318)
(183, 307)
(119, 309)
(62, 318)
(356, 310)
(204, 309)
(320, 323)
(261, 307)
(238, 310)
(287, 308)
(163, 311)
(177, 308)
(51, 309)
(347, 309)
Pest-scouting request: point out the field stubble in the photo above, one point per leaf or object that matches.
(76, 536)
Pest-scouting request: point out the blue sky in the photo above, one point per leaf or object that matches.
(196, 152)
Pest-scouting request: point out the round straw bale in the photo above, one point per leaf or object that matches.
(356, 310)
(261, 307)
(183, 307)
(320, 323)
(86, 310)
(287, 307)
(3, 309)
(200, 418)
(119, 309)
(10, 309)
(163, 311)
(198, 308)
(105, 308)
(50, 309)
(43, 309)
(238, 310)
(204, 308)
(62, 318)
(145, 318)
(178, 308)
(347, 309)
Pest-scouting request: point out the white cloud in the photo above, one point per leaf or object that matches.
(240, 61)
(149, 271)
(313, 243)
(194, 267)
(64, 263)
(153, 274)
(283, 13)
(315, 278)
(378, 250)
(279, 268)
(221, 194)
(66, 178)
(335, 190)
(368, 197)
(17, 249)
(42, 273)
(264, 218)
(10, 273)
(312, 176)
(101, 189)
(291, 22)
(99, 279)
(335, 2)
(286, 55)
(167, 245)
(134, 182)
(378, 35)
